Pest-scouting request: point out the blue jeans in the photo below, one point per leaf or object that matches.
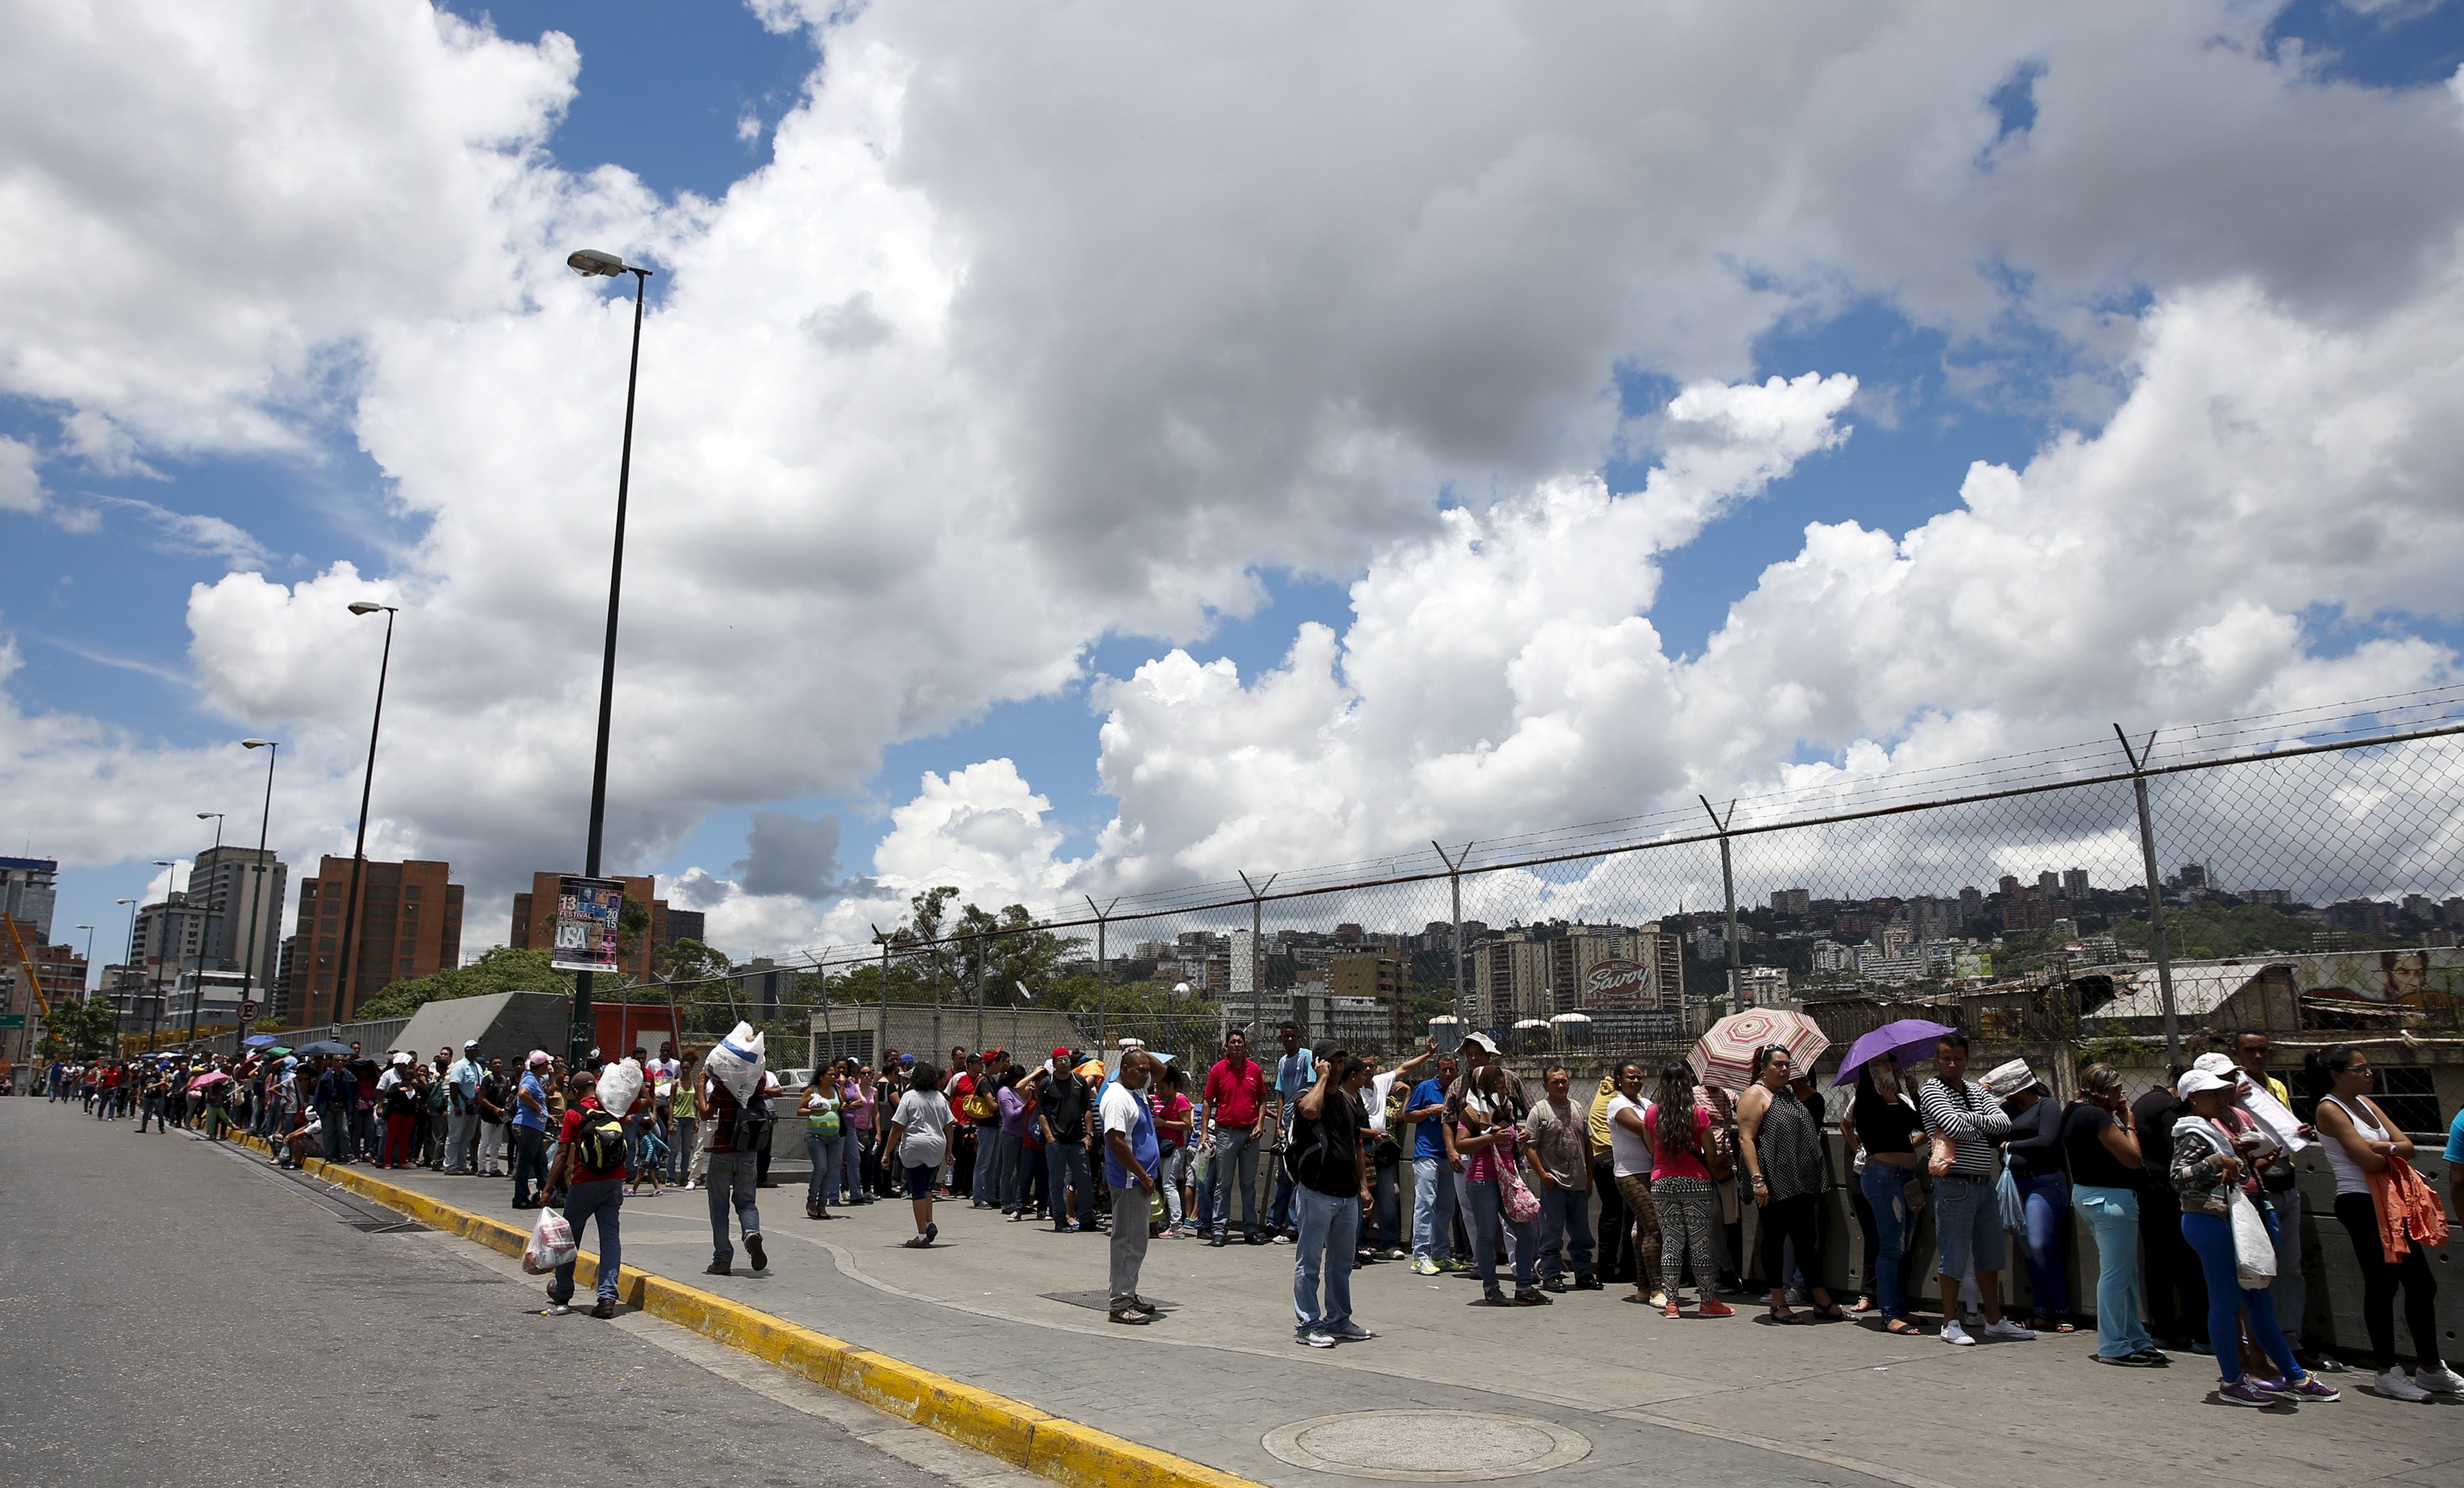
(1330, 1232)
(821, 1188)
(1565, 1232)
(2112, 1217)
(680, 1148)
(530, 1163)
(848, 1180)
(1065, 1163)
(1432, 1209)
(335, 1125)
(732, 1177)
(1968, 1225)
(1235, 1171)
(602, 1198)
(988, 1189)
(2049, 1215)
(1885, 1191)
(1385, 1202)
(1011, 1158)
(1278, 1202)
(1485, 1209)
(2210, 1238)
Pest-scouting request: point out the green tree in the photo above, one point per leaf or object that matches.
(497, 969)
(2201, 932)
(79, 1029)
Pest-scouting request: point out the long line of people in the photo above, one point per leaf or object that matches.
(2187, 1191)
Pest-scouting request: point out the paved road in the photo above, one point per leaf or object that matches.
(174, 1312)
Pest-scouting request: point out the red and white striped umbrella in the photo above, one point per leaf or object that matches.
(1725, 1057)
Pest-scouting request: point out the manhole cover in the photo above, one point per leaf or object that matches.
(1427, 1446)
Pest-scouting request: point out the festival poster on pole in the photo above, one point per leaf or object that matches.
(588, 911)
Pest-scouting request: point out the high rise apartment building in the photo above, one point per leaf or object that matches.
(409, 925)
(27, 892)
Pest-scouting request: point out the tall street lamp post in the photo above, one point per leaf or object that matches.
(214, 916)
(156, 996)
(129, 962)
(367, 782)
(590, 263)
(257, 882)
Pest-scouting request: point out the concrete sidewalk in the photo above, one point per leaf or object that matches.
(1003, 1306)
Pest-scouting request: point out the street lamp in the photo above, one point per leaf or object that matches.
(257, 882)
(125, 965)
(155, 998)
(590, 263)
(367, 783)
(213, 914)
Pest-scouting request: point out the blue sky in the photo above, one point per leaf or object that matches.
(685, 97)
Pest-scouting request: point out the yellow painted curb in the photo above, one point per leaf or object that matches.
(1066, 1452)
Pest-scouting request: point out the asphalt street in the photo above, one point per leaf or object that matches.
(177, 1315)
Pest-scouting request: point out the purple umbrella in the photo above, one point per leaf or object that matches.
(1892, 1039)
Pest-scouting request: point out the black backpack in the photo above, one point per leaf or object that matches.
(599, 1142)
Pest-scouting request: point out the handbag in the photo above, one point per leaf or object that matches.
(1520, 1203)
(2007, 1195)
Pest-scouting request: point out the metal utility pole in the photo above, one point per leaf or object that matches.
(2155, 892)
(1103, 971)
(1454, 883)
(983, 948)
(256, 912)
(1729, 891)
(881, 1029)
(1257, 951)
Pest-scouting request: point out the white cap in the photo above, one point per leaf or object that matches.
(2195, 1080)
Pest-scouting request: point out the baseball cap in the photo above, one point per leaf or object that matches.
(468, 1045)
(540, 1056)
(2196, 1081)
(1060, 1054)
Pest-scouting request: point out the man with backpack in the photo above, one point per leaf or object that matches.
(589, 1169)
(1325, 1161)
(739, 1133)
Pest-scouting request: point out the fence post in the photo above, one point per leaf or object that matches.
(1454, 883)
(1103, 970)
(1257, 950)
(881, 1030)
(983, 949)
(1729, 891)
(2155, 892)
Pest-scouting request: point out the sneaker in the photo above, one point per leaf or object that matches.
(1142, 1304)
(1589, 1283)
(1956, 1336)
(2156, 1357)
(558, 1309)
(932, 1232)
(753, 1248)
(2126, 1361)
(1313, 1338)
(1660, 1299)
(2242, 1392)
(2440, 1381)
(1216, 1242)
(2313, 1390)
(1353, 1334)
(1453, 1266)
(1713, 1307)
(2396, 1384)
(1530, 1299)
(2009, 1331)
(1670, 1310)
(1423, 1265)
(1283, 1240)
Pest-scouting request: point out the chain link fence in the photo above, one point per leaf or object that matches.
(2121, 900)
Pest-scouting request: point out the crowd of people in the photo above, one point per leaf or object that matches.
(2188, 1191)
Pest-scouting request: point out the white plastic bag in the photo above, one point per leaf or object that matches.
(551, 1244)
(2253, 1253)
(736, 1064)
(620, 1085)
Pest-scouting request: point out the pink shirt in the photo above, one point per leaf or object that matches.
(1668, 1160)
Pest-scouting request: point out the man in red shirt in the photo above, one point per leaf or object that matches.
(589, 1191)
(1236, 1103)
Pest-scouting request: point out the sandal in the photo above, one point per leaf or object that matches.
(1781, 1317)
(1830, 1314)
(1901, 1328)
